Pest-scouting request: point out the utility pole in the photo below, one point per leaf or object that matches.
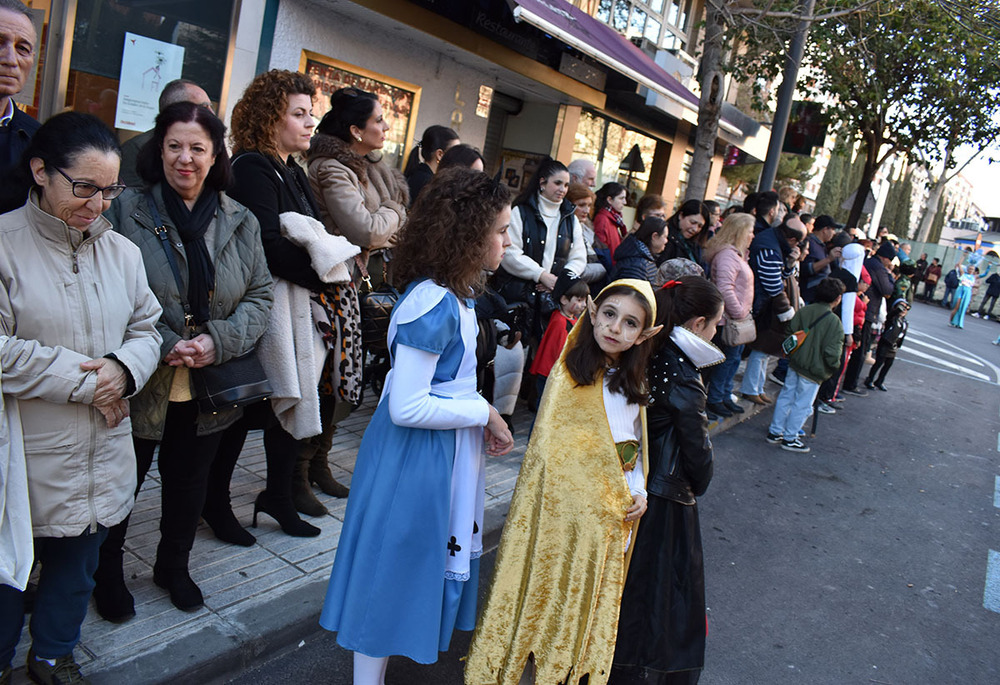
(785, 95)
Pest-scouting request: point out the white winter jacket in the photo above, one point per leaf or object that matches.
(67, 297)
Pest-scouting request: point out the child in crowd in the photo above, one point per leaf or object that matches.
(661, 626)
(815, 359)
(890, 341)
(571, 294)
(563, 556)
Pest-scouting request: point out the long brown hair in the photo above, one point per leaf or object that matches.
(585, 361)
(446, 233)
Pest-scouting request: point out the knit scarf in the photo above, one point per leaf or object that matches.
(191, 225)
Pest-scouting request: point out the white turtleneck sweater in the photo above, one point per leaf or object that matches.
(516, 263)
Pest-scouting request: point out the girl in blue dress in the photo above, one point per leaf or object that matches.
(407, 567)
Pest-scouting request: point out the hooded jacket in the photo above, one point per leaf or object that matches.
(634, 260)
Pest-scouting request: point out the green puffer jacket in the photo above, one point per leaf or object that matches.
(240, 301)
(818, 357)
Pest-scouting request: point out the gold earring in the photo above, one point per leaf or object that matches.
(357, 138)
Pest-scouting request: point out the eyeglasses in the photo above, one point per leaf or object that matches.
(85, 190)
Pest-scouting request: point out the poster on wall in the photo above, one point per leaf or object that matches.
(147, 66)
(518, 168)
(399, 99)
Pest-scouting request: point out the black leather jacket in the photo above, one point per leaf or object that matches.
(680, 450)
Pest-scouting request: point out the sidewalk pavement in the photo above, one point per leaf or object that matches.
(260, 599)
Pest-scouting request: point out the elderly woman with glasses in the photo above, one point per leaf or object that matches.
(215, 244)
(78, 337)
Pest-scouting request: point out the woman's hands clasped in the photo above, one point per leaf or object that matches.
(111, 384)
(194, 353)
(497, 435)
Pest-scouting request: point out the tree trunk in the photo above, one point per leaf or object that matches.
(937, 189)
(873, 144)
(710, 107)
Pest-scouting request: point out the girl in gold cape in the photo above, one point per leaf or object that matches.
(562, 560)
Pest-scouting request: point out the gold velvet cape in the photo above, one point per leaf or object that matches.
(561, 566)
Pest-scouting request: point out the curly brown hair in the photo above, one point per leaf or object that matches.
(254, 125)
(446, 233)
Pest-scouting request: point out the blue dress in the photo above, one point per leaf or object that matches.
(407, 566)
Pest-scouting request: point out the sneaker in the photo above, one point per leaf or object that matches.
(65, 670)
(795, 445)
(975, 314)
(838, 400)
(774, 438)
(997, 341)
(857, 392)
(824, 408)
(775, 378)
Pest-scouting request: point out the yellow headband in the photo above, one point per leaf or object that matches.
(643, 288)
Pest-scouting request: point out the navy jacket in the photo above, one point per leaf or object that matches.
(15, 138)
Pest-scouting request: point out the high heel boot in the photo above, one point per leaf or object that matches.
(284, 513)
(320, 475)
(302, 495)
(217, 511)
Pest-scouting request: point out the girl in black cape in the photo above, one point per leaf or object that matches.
(661, 629)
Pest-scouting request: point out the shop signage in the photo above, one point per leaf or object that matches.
(147, 66)
(399, 99)
(485, 102)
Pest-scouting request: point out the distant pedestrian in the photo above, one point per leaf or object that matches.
(963, 295)
(609, 226)
(816, 359)
(951, 283)
(992, 292)
(433, 144)
(407, 568)
(931, 278)
(661, 625)
(583, 171)
(571, 293)
(890, 341)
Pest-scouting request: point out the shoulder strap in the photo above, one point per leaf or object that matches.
(161, 232)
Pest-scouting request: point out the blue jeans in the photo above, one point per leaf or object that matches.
(755, 373)
(64, 586)
(793, 406)
(948, 301)
(721, 385)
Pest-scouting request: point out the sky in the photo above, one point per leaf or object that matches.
(985, 180)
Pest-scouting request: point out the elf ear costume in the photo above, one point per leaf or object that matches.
(562, 561)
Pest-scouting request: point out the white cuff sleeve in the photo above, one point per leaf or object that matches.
(412, 405)
(636, 479)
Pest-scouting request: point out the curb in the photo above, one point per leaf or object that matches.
(211, 652)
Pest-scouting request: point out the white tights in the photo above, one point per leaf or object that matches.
(369, 670)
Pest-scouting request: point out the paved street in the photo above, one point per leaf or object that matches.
(865, 561)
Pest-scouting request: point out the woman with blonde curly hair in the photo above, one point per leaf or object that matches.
(271, 123)
(407, 568)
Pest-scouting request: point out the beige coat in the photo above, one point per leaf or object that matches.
(66, 299)
(363, 200)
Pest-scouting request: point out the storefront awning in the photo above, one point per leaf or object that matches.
(599, 41)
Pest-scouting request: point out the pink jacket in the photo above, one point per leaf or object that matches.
(731, 272)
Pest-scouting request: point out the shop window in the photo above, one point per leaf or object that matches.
(607, 143)
(620, 18)
(604, 11)
(652, 30)
(637, 25)
(99, 37)
(399, 99)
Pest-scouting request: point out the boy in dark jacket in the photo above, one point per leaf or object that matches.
(890, 341)
(815, 359)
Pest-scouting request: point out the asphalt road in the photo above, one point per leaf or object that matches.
(864, 561)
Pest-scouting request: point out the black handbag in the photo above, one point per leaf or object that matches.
(376, 310)
(236, 383)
